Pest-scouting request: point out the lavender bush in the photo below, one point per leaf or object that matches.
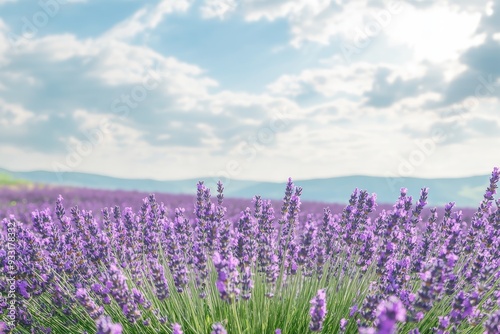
(158, 268)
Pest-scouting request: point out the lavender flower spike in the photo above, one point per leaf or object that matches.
(318, 311)
(177, 329)
(93, 310)
(492, 324)
(388, 314)
(106, 326)
(218, 329)
(343, 324)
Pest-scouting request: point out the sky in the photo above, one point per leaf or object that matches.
(250, 89)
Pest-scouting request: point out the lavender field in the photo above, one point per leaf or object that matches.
(125, 262)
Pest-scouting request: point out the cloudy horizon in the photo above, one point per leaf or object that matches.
(250, 89)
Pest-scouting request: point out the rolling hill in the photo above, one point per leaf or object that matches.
(466, 192)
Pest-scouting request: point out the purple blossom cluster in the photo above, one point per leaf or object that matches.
(318, 311)
(127, 269)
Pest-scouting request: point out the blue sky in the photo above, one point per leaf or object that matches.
(250, 89)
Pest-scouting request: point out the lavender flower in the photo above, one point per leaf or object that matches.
(159, 280)
(93, 310)
(227, 277)
(177, 329)
(492, 324)
(389, 313)
(343, 324)
(120, 292)
(106, 326)
(200, 262)
(307, 252)
(218, 329)
(318, 311)
(246, 250)
(177, 251)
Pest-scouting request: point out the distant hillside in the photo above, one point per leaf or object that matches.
(466, 192)
(6, 179)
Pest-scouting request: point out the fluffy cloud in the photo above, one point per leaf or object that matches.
(338, 80)
(146, 19)
(423, 31)
(317, 21)
(129, 108)
(218, 8)
(121, 92)
(4, 43)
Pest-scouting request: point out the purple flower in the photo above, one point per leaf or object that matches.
(176, 252)
(140, 299)
(369, 307)
(353, 310)
(390, 312)
(491, 191)
(443, 324)
(227, 277)
(492, 324)
(3, 327)
(246, 250)
(200, 262)
(288, 195)
(123, 296)
(432, 284)
(291, 257)
(277, 331)
(306, 254)
(177, 329)
(218, 329)
(318, 311)
(220, 193)
(93, 310)
(106, 326)
(343, 324)
(290, 212)
(246, 283)
(159, 280)
(23, 289)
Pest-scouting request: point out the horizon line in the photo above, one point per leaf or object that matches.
(238, 179)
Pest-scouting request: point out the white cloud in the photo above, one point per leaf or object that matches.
(320, 20)
(272, 10)
(328, 82)
(13, 114)
(146, 18)
(261, 105)
(421, 29)
(217, 8)
(490, 8)
(337, 79)
(115, 62)
(424, 32)
(120, 63)
(4, 43)
(57, 48)
(308, 19)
